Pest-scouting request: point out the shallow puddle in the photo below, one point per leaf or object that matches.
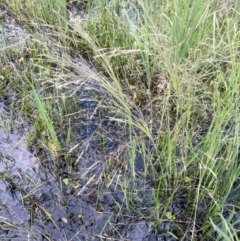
(16, 164)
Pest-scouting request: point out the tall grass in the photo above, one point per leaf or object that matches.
(177, 61)
(43, 11)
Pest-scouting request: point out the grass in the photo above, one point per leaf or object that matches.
(43, 112)
(171, 73)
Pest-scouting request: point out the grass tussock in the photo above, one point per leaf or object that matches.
(171, 73)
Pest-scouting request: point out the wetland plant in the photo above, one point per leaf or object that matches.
(170, 73)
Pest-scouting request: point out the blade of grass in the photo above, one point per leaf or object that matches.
(43, 112)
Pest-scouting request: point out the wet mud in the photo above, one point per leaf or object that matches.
(12, 35)
(38, 203)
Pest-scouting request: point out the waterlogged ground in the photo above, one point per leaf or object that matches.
(12, 34)
(45, 199)
(36, 203)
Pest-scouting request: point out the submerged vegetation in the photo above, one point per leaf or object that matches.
(165, 75)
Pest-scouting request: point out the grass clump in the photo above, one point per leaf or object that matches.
(47, 122)
(175, 68)
(44, 12)
(170, 70)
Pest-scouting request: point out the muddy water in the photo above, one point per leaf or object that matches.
(16, 164)
(15, 161)
(35, 206)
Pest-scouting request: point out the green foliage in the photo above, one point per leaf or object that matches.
(44, 115)
(177, 61)
(52, 13)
